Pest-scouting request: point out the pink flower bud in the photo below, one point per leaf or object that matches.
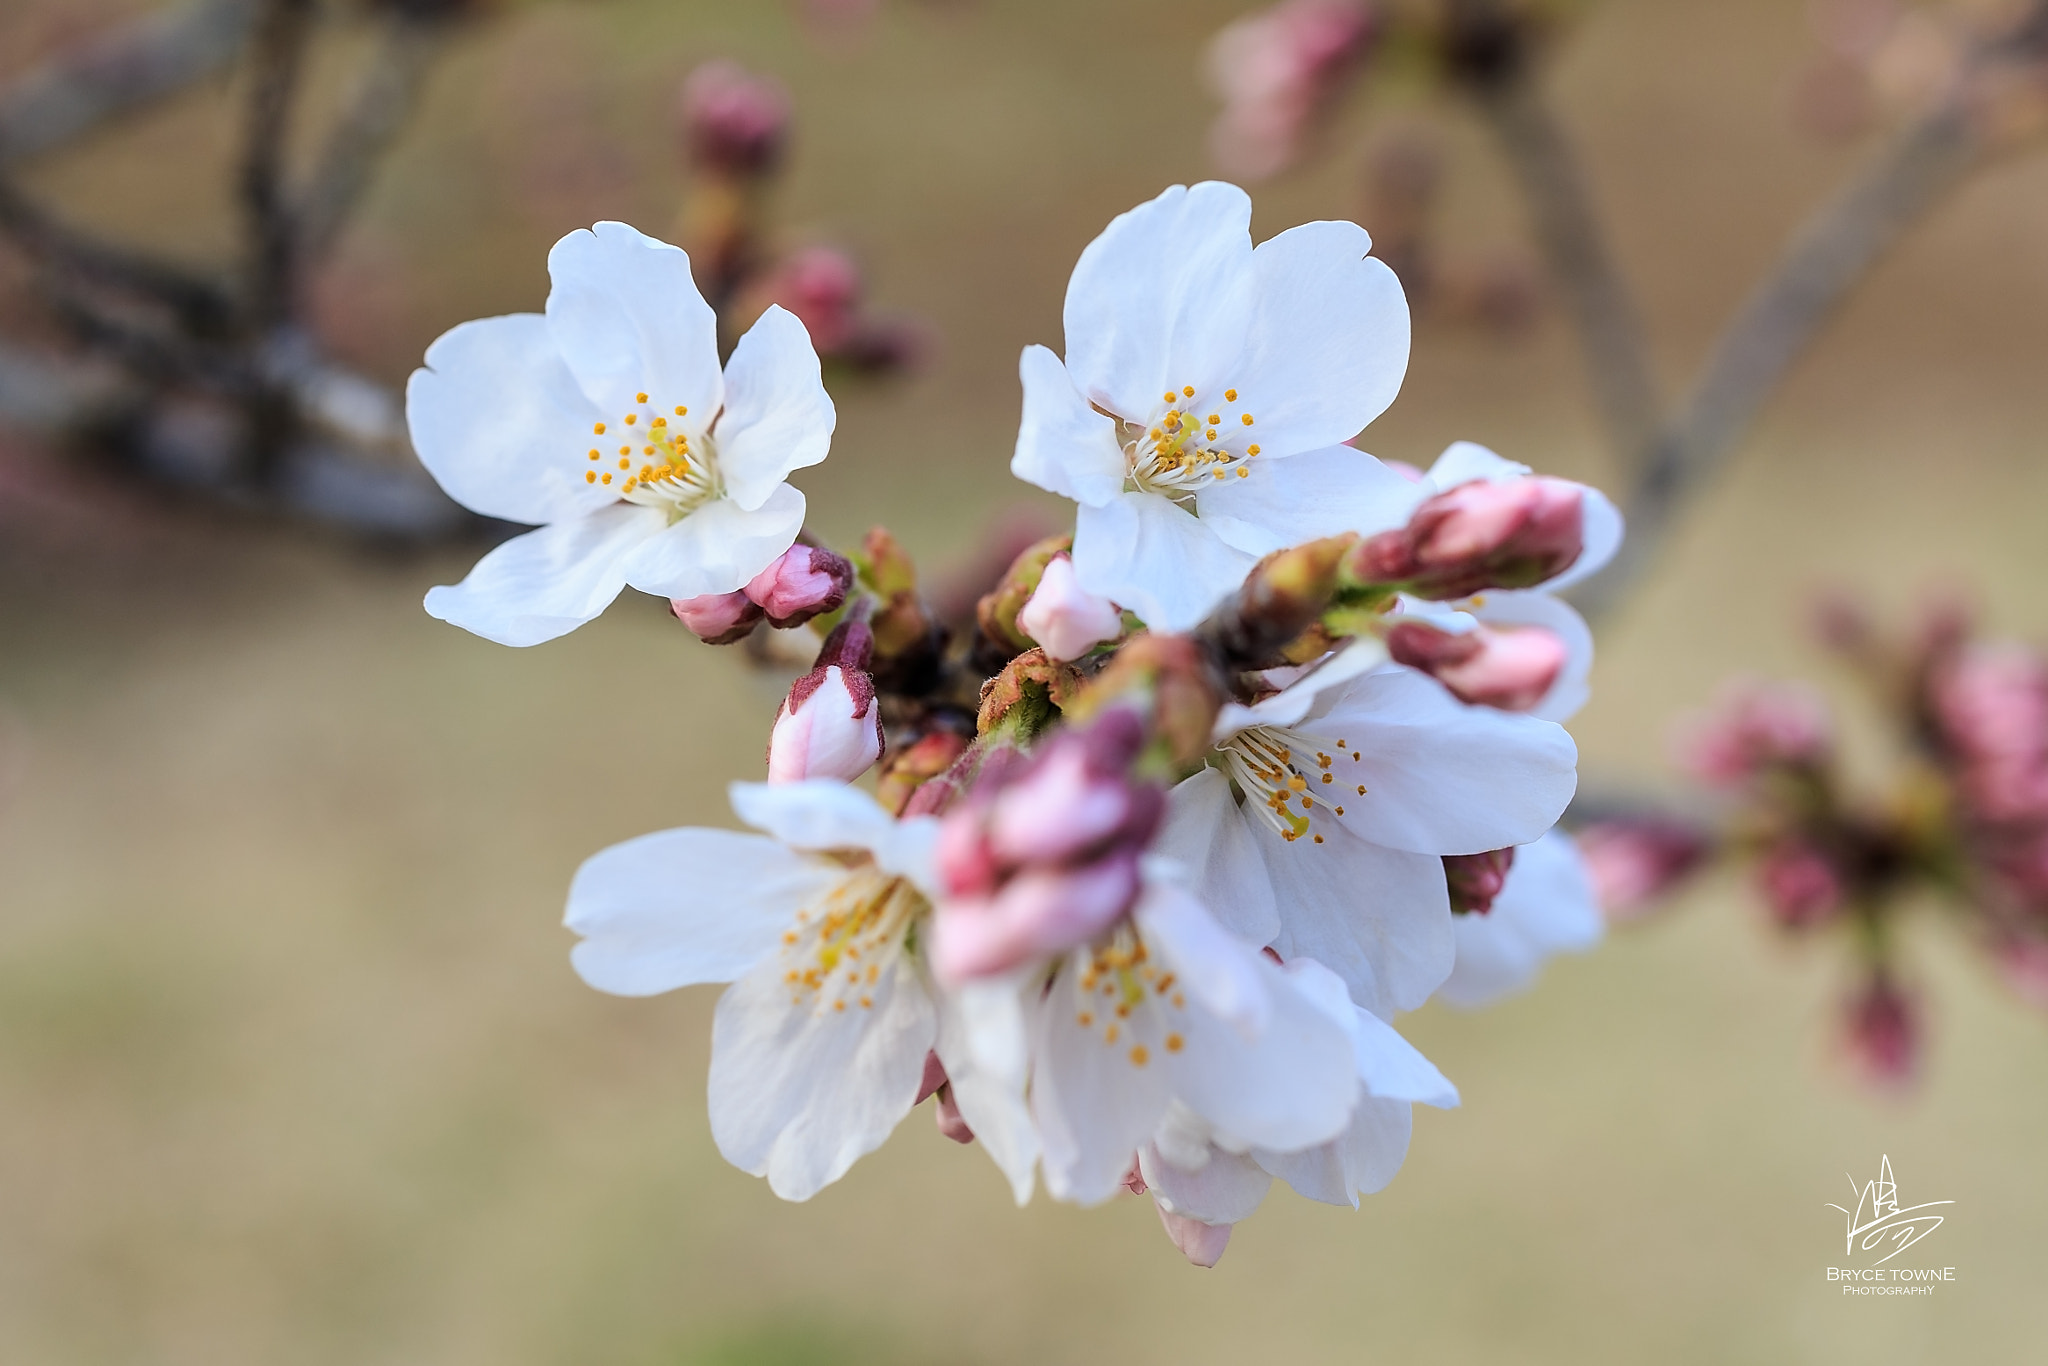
(1514, 534)
(1039, 912)
(1064, 807)
(1275, 70)
(1476, 879)
(822, 286)
(1990, 704)
(718, 618)
(945, 1109)
(830, 726)
(1512, 668)
(1066, 620)
(1637, 860)
(1758, 727)
(1202, 1244)
(802, 582)
(2024, 961)
(731, 120)
(1801, 885)
(1882, 1033)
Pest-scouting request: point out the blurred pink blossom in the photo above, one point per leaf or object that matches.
(1757, 726)
(1275, 71)
(1801, 885)
(1637, 860)
(732, 120)
(1881, 1029)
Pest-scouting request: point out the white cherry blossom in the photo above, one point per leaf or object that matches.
(1199, 415)
(1547, 906)
(1320, 825)
(608, 423)
(818, 1047)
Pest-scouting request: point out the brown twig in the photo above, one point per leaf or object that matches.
(379, 109)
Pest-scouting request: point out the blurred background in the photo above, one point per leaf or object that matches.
(292, 1065)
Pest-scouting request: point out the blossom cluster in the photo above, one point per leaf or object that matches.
(1263, 753)
(1962, 823)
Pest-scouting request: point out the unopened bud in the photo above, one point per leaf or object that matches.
(1285, 595)
(1758, 727)
(1275, 70)
(1512, 668)
(1635, 861)
(733, 121)
(803, 582)
(1037, 913)
(830, 726)
(1514, 534)
(1476, 879)
(914, 765)
(936, 1086)
(1800, 884)
(718, 618)
(1202, 1244)
(1065, 619)
(1881, 1029)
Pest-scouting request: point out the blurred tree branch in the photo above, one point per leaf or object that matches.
(1668, 454)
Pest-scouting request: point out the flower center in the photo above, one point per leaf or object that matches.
(1190, 442)
(1285, 775)
(656, 462)
(838, 950)
(1116, 983)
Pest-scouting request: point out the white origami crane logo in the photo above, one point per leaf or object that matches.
(1879, 1219)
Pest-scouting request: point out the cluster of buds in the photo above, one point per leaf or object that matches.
(1043, 855)
(734, 129)
(1965, 819)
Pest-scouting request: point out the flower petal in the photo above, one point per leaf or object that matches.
(548, 582)
(1442, 777)
(1326, 492)
(679, 907)
(1602, 530)
(1548, 906)
(1360, 1161)
(1298, 698)
(1226, 1189)
(1092, 1106)
(1328, 342)
(499, 422)
(777, 415)
(717, 548)
(1204, 834)
(628, 319)
(1162, 298)
(1379, 918)
(982, 1042)
(1464, 461)
(1145, 553)
(801, 1091)
(1560, 618)
(1063, 445)
(1218, 969)
(1394, 1069)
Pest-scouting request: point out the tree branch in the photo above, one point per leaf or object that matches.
(277, 59)
(85, 86)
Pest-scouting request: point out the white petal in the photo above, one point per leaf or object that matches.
(1326, 492)
(1360, 1161)
(1548, 906)
(1328, 342)
(548, 582)
(1394, 1069)
(1295, 701)
(1144, 552)
(1219, 973)
(1063, 445)
(497, 419)
(1442, 777)
(1602, 530)
(1162, 299)
(1379, 918)
(1291, 1084)
(1092, 1106)
(777, 415)
(1226, 1189)
(680, 907)
(982, 1042)
(1204, 834)
(717, 548)
(627, 318)
(817, 814)
(800, 1091)
(1464, 461)
(1560, 618)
